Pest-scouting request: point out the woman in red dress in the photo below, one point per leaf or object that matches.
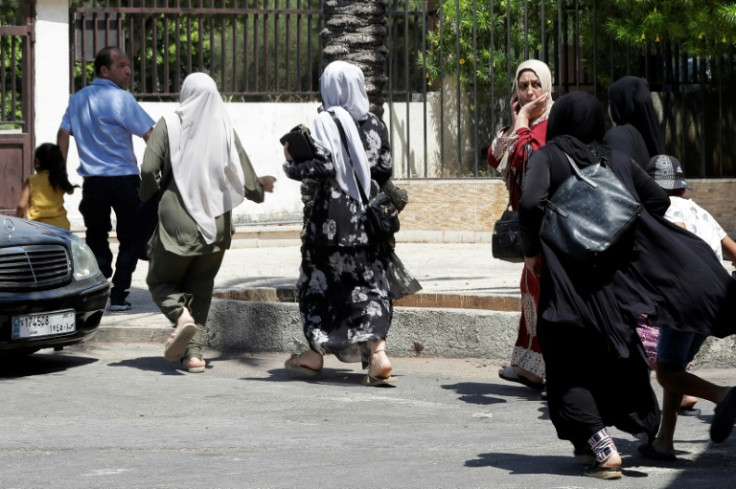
(509, 152)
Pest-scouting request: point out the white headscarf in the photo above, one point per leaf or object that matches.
(204, 159)
(342, 86)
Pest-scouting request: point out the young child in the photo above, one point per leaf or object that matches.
(43, 193)
(676, 349)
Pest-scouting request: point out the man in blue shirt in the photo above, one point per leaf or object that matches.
(103, 117)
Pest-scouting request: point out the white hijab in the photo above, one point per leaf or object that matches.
(204, 159)
(342, 86)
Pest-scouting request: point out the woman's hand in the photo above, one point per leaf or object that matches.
(533, 264)
(267, 181)
(536, 107)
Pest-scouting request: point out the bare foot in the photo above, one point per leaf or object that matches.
(311, 359)
(380, 366)
(194, 364)
(613, 461)
(688, 402)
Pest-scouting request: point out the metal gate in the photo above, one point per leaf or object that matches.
(16, 104)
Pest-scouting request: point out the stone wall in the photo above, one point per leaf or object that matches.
(465, 210)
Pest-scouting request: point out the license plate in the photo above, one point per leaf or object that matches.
(44, 324)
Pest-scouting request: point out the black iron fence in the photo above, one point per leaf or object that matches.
(449, 63)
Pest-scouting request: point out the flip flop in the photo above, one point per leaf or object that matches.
(689, 411)
(292, 363)
(724, 417)
(647, 450)
(607, 473)
(176, 345)
(507, 373)
(378, 381)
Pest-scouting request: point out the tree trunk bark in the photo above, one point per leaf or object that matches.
(355, 31)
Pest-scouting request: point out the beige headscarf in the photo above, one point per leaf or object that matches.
(204, 159)
(540, 69)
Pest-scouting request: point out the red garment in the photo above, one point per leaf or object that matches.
(527, 353)
(537, 136)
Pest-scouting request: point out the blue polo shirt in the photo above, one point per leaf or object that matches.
(103, 118)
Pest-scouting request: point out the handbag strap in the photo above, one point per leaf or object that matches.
(520, 176)
(343, 138)
(578, 173)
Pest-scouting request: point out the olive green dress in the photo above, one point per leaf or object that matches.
(182, 266)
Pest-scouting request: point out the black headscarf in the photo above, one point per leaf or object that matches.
(631, 103)
(577, 124)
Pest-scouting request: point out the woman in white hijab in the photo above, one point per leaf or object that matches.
(196, 164)
(531, 103)
(343, 289)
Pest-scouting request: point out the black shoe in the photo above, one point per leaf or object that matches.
(724, 417)
(119, 306)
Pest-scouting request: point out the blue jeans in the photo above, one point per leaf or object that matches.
(678, 348)
(100, 195)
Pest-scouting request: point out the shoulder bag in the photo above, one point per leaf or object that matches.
(506, 239)
(589, 213)
(382, 216)
(301, 144)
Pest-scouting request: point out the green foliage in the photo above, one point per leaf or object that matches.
(9, 9)
(12, 65)
(701, 28)
(461, 41)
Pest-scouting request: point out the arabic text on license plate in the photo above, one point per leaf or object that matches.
(45, 324)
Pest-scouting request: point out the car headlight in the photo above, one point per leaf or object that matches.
(84, 261)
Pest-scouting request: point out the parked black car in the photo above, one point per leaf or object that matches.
(52, 294)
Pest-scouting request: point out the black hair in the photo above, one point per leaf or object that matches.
(49, 158)
(104, 58)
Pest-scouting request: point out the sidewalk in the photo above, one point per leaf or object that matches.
(468, 306)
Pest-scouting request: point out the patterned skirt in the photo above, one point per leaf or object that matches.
(344, 300)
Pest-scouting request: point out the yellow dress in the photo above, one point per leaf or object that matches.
(46, 204)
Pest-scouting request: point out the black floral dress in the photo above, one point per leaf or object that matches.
(343, 289)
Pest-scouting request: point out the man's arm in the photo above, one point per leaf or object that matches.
(147, 135)
(62, 140)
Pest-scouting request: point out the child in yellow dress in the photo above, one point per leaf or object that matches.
(43, 193)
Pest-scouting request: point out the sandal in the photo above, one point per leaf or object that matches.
(508, 373)
(176, 346)
(193, 369)
(292, 363)
(724, 417)
(598, 471)
(374, 380)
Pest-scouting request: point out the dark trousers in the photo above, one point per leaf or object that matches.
(100, 195)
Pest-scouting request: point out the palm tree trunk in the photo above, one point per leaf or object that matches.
(355, 31)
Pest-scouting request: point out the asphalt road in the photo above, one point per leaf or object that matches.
(119, 416)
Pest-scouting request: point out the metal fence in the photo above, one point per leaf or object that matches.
(14, 50)
(449, 64)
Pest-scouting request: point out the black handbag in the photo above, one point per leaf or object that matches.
(506, 238)
(382, 216)
(589, 213)
(301, 144)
